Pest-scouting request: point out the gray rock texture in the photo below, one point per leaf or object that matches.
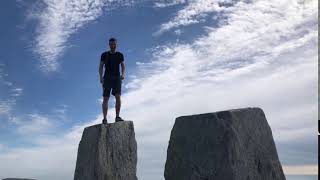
(107, 152)
(235, 144)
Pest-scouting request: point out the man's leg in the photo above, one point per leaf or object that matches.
(106, 94)
(118, 104)
(116, 91)
(105, 106)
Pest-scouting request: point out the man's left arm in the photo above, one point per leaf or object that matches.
(123, 68)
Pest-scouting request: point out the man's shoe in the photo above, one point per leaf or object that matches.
(119, 119)
(104, 121)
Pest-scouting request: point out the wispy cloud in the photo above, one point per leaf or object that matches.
(10, 90)
(166, 3)
(61, 112)
(58, 20)
(36, 124)
(2, 73)
(59, 151)
(6, 106)
(40, 124)
(16, 92)
(194, 12)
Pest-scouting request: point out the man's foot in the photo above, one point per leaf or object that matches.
(104, 121)
(119, 119)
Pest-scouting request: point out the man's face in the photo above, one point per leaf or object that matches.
(113, 45)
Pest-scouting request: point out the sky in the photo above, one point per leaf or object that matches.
(182, 57)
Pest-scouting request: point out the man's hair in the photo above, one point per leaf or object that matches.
(112, 40)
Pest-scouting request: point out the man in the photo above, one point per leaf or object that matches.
(111, 80)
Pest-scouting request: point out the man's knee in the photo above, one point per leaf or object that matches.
(118, 97)
(105, 99)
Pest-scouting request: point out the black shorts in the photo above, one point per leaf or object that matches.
(112, 83)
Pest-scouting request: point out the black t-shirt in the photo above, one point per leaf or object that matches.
(111, 63)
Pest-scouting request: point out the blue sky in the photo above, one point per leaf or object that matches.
(182, 57)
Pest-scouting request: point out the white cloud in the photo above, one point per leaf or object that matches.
(264, 56)
(194, 12)
(5, 107)
(57, 151)
(178, 31)
(2, 73)
(58, 20)
(13, 92)
(16, 91)
(62, 109)
(165, 3)
(35, 125)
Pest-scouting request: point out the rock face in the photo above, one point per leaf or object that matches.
(236, 144)
(107, 152)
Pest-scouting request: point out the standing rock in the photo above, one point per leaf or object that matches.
(107, 152)
(236, 144)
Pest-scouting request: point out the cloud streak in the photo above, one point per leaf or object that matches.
(8, 103)
(37, 124)
(58, 21)
(164, 4)
(194, 12)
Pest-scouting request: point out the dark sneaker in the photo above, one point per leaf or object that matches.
(104, 121)
(119, 119)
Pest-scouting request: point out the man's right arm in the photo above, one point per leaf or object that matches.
(101, 69)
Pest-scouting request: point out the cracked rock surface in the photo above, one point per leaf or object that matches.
(107, 152)
(235, 144)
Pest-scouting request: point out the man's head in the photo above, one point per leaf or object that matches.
(113, 43)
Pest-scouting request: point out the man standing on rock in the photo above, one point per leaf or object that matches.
(111, 80)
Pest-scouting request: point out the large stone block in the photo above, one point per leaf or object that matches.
(107, 152)
(236, 144)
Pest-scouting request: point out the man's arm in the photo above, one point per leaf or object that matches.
(123, 68)
(101, 71)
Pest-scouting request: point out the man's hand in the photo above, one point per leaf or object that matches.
(122, 77)
(101, 80)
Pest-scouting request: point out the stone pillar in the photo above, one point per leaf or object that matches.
(107, 152)
(235, 144)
